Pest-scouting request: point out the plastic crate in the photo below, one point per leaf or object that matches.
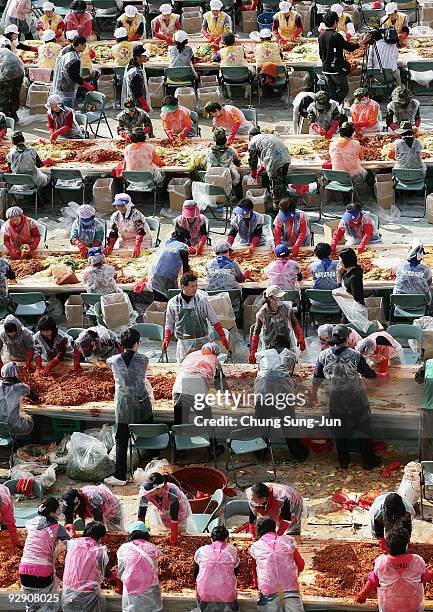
(63, 427)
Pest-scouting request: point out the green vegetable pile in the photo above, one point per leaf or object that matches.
(72, 262)
(203, 51)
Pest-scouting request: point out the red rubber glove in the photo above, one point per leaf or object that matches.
(110, 246)
(299, 337)
(183, 134)
(199, 248)
(361, 248)
(192, 250)
(417, 122)
(260, 169)
(394, 465)
(1, 364)
(219, 330)
(282, 527)
(331, 131)
(174, 532)
(48, 162)
(166, 342)
(87, 86)
(254, 574)
(403, 36)
(393, 126)
(77, 355)
(317, 129)
(170, 135)
(14, 253)
(247, 273)
(125, 135)
(50, 365)
(230, 239)
(348, 36)
(144, 104)
(70, 529)
(137, 247)
(81, 247)
(29, 359)
(252, 529)
(59, 132)
(295, 250)
(254, 346)
(38, 363)
(254, 173)
(3, 133)
(119, 586)
(34, 49)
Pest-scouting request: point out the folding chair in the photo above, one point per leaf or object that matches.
(407, 306)
(147, 184)
(7, 444)
(59, 182)
(181, 76)
(246, 441)
(250, 114)
(148, 436)
(417, 89)
(74, 332)
(154, 333)
(23, 515)
(306, 178)
(154, 226)
(199, 523)
(100, 15)
(22, 180)
(404, 332)
(236, 507)
(320, 304)
(426, 478)
(81, 119)
(96, 99)
(43, 231)
(30, 305)
(189, 437)
(236, 76)
(410, 181)
(341, 181)
(10, 123)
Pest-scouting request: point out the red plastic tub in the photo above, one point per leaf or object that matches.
(201, 480)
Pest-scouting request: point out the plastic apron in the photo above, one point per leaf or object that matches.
(276, 567)
(191, 331)
(150, 601)
(10, 403)
(400, 591)
(216, 580)
(112, 511)
(159, 512)
(128, 233)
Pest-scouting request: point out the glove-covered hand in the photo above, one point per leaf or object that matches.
(48, 162)
(192, 250)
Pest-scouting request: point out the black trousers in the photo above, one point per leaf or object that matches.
(337, 86)
(122, 442)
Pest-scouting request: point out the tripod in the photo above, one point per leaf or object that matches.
(369, 79)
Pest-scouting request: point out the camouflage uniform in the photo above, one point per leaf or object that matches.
(10, 96)
(275, 157)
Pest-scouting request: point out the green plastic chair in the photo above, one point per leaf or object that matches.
(246, 441)
(199, 523)
(149, 185)
(194, 121)
(419, 66)
(410, 181)
(371, 329)
(154, 333)
(188, 437)
(97, 99)
(59, 174)
(407, 306)
(148, 436)
(19, 180)
(99, 17)
(154, 226)
(237, 76)
(23, 515)
(402, 332)
(90, 299)
(250, 115)
(30, 305)
(74, 332)
(339, 180)
(180, 76)
(304, 178)
(321, 304)
(10, 123)
(7, 443)
(81, 119)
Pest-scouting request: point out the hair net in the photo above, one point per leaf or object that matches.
(325, 331)
(213, 347)
(85, 211)
(14, 211)
(9, 370)
(366, 346)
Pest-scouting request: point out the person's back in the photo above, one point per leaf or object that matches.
(179, 58)
(11, 395)
(129, 379)
(284, 273)
(169, 261)
(407, 156)
(271, 150)
(344, 154)
(267, 52)
(411, 279)
(85, 562)
(122, 52)
(47, 55)
(232, 55)
(324, 274)
(137, 566)
(385, 58)
(216, 581)
(222, 274)
(139, 156)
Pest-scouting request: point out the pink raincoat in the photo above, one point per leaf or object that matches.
(111, 509)
(6, 508)
(279, 493)
(84, 564)
(193, 229)
(276, 568)
(283, 273)
(38, 553)
(216, 580)
(138, 566)
(163, 506)
(400, 583)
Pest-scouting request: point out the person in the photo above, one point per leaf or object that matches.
(133, 23)
(195, 224)
(87, 230)
(280, 502)
(350, 274)
(412, 275)
(86, 566)
(78, 18)
(383, 54)
(180, 54)
(324, 269)
(99, 277)
(335, 66)
(230, 118)
(142, 156)
(267, 51)
(12, 391)
(166, 25)
(188, 316)
(344, 26)
(284, 272)
(11, 78)
(224, 273)
(216, 566)
(172, 257)
(134, 83)
(287, 24)
(24, 159)
(275, 161)
(48, 51)
(87, 58)
(51, 344)
(397, 20)
(132, 401)
(390, 511)
(215, 23)
(17, 340)
(301, 103)
(6, 273)
(122, 50)
(379, 347)
(348, 401)
(291, 226)
(230, 54)
(324, 334)
(246, 227)
(12, 35)
(67, 73)
(176, 120)
(197, 373)
(407, 150)
(276, 566)
(61, 120)
(19, 14)
(402, 108)
(7, 519)
(96, 344)
(365, 112)
(137, 571)
(95, 502)
(220, 155)
(170, 505)
(3, 127)
(129, 228)
(50, 20)
(277, 322)
(399, 576)
(323, 115)
(357, 227)
(45, 539)
(347, 153)
(20, 233)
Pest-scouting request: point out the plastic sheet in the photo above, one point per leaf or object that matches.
(426, 325)
(312, 350)
(45, 475)
(355, 313)
(88, 459)
(105, 435)
(201, 194)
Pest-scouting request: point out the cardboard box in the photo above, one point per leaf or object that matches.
(429, 206)
(328, 230)
(104, 190)
(221, 177)
(249, 183)
(186, 97)
(248, 21)
(156, 91)
(249, 312)
(384, 190)
(191, 22)
(259, 198)
(74, 311)
(115, 310)
(37, 95)
(186, 10)
(38, 110)
(208, 94)
(427, 13)
(299, 80)
(156, 312)
(179, 190)
(210, 80)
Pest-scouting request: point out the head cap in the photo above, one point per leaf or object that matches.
(273, 291)
(401, 95)
(321, 100)
(340, 333)
(285, 6)
(265, 33)
(390, 8)
(48, 6)
(216, 5)
(166, 9)
(48, 35)
(138, 50)
(85, 211)
(12, 29)
(190, 209)
(282, 250)
(71, 34)
(180, 36)
(9, 370)
(222, 247)
(14, 211)
(337, 8)
(212, 347)
(131, 10)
